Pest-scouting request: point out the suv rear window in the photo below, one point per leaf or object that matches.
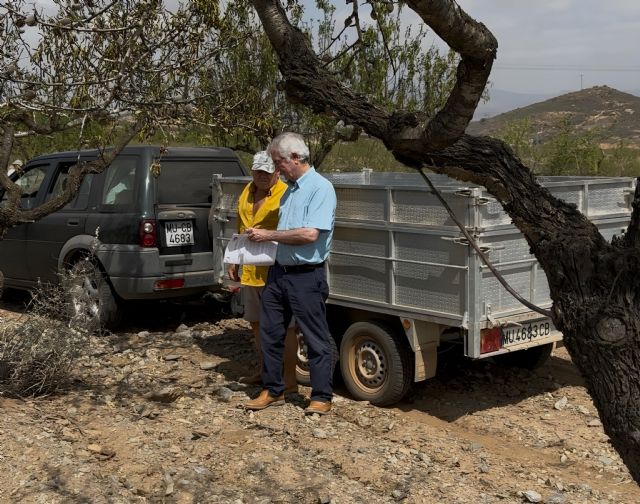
(188, 182)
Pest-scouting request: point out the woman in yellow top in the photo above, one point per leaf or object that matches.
(258, 207)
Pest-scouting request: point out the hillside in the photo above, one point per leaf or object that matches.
(610, 114)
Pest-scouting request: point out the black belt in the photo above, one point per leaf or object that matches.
(299, 268)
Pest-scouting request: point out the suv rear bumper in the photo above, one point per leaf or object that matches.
(145, 287)
(134, 271)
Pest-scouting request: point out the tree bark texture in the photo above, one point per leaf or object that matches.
(594, 284)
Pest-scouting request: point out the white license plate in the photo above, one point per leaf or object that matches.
(515, 335)
(179, 233)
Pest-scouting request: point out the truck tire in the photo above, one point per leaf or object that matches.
(91, 300)
(375, 363)
(302, 365)
(531, 358)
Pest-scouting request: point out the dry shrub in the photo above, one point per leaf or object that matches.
(39, 348)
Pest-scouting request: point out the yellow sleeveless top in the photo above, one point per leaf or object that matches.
(265, 218)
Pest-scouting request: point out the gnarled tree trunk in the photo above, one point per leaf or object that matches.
(594, 284)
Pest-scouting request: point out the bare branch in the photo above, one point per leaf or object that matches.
(76, 175)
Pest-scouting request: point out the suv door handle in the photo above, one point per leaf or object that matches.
(73, 222)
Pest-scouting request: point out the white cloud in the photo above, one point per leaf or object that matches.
(593, 39)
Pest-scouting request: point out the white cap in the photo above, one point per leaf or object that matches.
(262, 161)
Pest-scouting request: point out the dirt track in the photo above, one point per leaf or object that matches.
(478, 433)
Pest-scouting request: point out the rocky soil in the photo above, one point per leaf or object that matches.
(154, 415)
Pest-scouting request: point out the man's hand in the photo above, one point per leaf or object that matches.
(233, 272)
(259, 235)
(298, 236)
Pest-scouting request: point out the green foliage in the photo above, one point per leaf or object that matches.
(569, 151)
(241, 103)
(390, 64)
(517, 134)
(364, 153)
(622, 161)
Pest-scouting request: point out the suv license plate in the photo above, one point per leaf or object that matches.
(179, 233)
(527, 332)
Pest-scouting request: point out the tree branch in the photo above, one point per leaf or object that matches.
(305, 79)
(76, 175)
(11, 188)
(327, 147)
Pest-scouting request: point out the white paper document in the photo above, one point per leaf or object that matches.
(241, 250)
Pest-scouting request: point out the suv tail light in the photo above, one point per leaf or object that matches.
(148, 233)
(171, 283)
(490, 340)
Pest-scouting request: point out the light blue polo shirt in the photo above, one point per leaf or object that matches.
(308, 202)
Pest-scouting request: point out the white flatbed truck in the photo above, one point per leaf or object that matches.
(403, 278)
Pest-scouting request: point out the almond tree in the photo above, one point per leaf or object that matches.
(106, 72)
(414, 78)
(594, 283)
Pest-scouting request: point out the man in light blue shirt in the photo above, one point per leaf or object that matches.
(297, 285)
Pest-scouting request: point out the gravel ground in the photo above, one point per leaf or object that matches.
(154, 415)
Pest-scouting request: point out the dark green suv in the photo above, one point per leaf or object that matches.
(133, 232)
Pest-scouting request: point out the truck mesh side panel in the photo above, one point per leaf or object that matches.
(570, 194)
(593, 198)
(421, 207)
(229, 202)
(360, 242)
(505, 249)
(428, 248)
(355, 275)
(436, 287)
(359, 277)
(430, 287)
(542, 288)
(607, 200)
(499, 299)
(358, 204)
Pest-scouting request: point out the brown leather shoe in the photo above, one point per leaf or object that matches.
(318, 407)
(264, 400)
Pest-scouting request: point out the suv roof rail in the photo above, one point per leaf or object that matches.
(139, 149)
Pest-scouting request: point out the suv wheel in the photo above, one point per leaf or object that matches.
(91, 300)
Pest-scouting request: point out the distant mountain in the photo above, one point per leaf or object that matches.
(611, 114)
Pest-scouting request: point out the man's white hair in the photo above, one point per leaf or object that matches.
(289, 143)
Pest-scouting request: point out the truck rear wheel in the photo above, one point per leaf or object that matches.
(302, 364)
(375, 363)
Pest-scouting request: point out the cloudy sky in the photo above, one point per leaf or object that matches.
(549, 46)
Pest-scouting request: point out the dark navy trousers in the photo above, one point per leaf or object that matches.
(300, 293)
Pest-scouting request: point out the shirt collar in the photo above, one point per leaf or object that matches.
(302, 180)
